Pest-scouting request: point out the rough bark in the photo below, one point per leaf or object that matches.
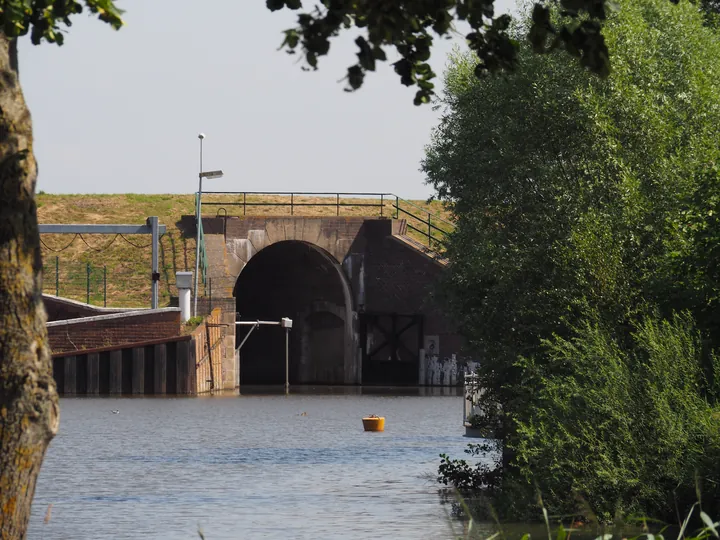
(29, 413)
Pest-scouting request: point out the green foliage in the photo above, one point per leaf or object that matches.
(44, 19)
(586, 215)
(622, 425)
(410, 27)
(563, 527)
(467, 478)
(193, 322)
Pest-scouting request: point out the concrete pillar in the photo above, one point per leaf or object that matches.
(116, 372)
(183, 281)
(70, 375)
(160, 369)
(93, 373)
(138, 370)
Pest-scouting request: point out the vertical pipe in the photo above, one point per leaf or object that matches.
(382, 204)
(198, 226)
(292, 202)
(244, 202)
(154, 229)
(57, 275)
(397, 207)
(287, 361)
(105, 285)
(183, 281)
(338, 203)
(87, 281)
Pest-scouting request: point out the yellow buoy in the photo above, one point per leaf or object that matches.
(374, 423)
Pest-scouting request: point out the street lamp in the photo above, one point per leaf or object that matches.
(198, 216)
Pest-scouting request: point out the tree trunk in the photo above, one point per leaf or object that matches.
(29, 412)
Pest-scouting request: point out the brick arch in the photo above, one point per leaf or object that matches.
(262, 275)
(245, 238)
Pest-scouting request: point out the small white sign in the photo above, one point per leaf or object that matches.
(432, 345)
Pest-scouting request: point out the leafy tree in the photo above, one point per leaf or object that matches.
(29, 412)
(408, 27)
(28, 399)
(582, 201)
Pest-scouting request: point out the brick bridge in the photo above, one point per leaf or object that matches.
(360, 291)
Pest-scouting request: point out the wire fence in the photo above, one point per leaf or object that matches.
(112, 286)
(95, 284)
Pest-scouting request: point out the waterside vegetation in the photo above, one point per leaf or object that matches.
(585, 269)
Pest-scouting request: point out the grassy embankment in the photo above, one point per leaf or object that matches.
(127, 267)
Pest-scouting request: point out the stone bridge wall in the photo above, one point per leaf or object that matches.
(383, 275)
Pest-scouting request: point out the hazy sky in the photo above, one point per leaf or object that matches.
(119, 112)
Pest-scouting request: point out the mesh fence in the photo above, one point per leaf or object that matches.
(100, 285)
(112, 286)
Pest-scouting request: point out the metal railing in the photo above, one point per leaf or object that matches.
(430, 228)
(337, 203)
(428, 233)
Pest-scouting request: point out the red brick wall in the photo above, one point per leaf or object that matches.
(400, 279)
(110, 330)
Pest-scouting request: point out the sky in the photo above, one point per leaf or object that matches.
(120, 112)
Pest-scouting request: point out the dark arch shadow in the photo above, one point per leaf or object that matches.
(305, 283)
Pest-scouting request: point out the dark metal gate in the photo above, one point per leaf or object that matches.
(391, 344)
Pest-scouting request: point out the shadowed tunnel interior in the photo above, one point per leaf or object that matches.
(296, 280)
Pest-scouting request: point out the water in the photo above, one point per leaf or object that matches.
(248, 467)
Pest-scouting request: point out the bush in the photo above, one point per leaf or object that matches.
(620, 422)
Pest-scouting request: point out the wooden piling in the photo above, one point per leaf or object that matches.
(93, 373)
(70, 375)
(116, 372)
(160, 371)
(138, 370)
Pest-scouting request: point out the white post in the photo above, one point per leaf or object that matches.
(184, 286)
(287, 325)
(287, 361)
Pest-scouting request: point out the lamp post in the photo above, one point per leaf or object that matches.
(287, 325)
(198, 217)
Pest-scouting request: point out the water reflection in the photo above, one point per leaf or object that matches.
(258, 465)
(251, 390)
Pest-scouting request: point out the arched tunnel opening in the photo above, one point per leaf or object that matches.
(297, 280)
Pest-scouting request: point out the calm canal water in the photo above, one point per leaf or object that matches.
(250, 466)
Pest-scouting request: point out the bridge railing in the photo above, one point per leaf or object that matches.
(432, 228)
(423, 220)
